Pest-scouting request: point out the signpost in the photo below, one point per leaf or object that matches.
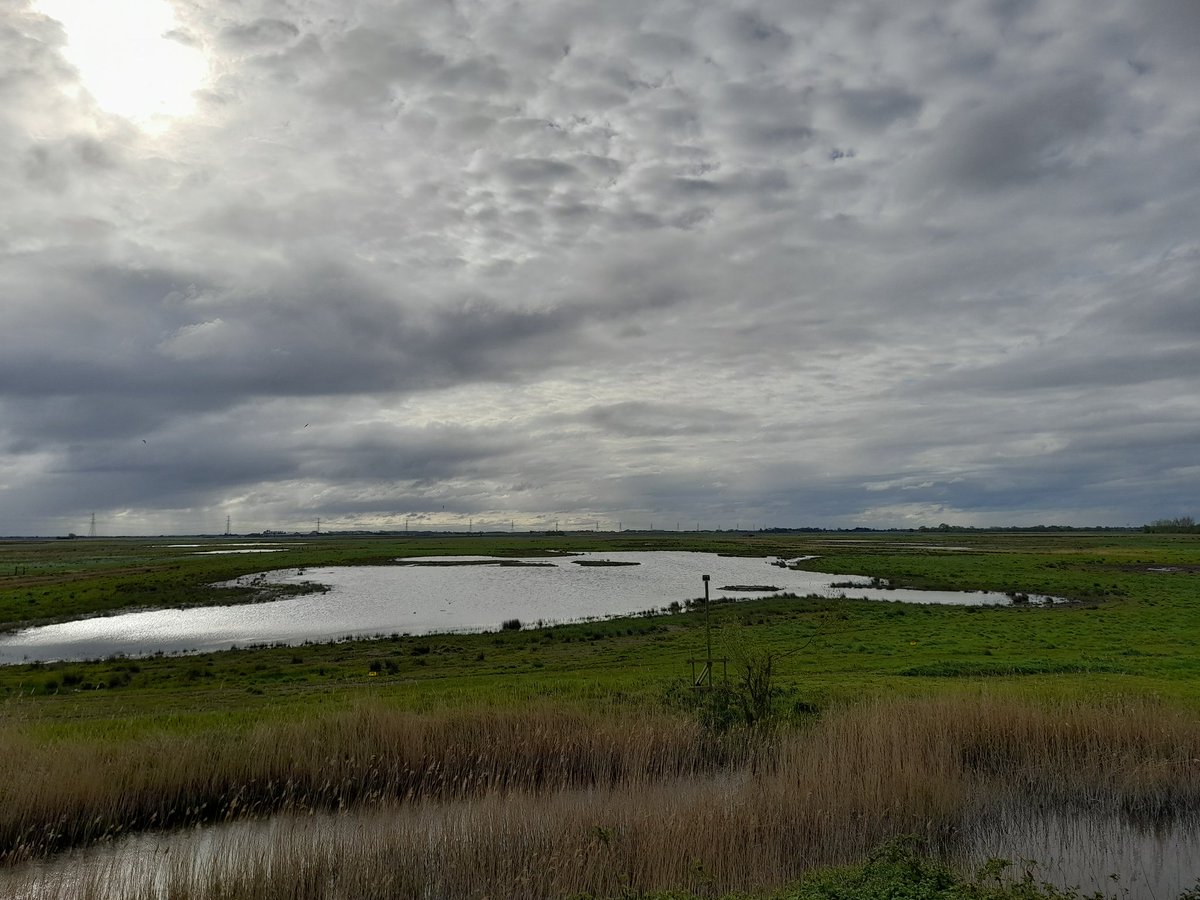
(705, 678)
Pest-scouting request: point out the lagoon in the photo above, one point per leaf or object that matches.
(447, 594)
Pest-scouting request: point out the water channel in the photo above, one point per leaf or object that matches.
(1100, 854)
(429, 595)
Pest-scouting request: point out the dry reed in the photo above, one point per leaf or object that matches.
(71, 793)
(552, 804)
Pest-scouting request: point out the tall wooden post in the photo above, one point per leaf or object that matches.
(707, 633)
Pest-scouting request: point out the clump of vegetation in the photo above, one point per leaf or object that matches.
(899, 870)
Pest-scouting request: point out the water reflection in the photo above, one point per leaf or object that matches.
(1093, 852)
(1089, 853)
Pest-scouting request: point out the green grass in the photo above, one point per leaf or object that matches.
(897, 871)
(1131, 630)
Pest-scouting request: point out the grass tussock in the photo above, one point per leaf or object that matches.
(549, 804)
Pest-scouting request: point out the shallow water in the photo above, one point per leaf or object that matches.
(413, 599)
(1094, 852)
(1090, 853)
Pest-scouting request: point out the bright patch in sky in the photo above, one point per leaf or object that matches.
(125, 59)
(644, 263)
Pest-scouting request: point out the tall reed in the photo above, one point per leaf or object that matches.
(547, 803)
(70, 793)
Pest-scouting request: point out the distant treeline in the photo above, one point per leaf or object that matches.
(1023, 528)
(951, 528)
(1181, 525)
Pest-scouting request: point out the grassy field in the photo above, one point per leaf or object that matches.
(1125, 642)
(1131, 627)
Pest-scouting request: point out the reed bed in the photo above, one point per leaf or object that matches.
(548, 804)
(1134, 756)
(71, 793)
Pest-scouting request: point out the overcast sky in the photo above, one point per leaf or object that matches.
(601, 261)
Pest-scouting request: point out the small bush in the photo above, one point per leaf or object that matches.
(510, 625)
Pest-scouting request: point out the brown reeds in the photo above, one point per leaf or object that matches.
(71, 793)
(550, 804)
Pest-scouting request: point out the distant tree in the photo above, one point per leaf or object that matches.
(1179, 525)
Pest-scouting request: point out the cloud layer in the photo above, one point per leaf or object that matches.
(631, 262)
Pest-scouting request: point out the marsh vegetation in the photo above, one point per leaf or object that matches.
(576, 760)
(542, 803)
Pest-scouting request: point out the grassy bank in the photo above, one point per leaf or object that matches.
(55, 580)
(1131, 627)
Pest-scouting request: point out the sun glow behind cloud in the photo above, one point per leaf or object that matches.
(127, 61)
(759, 263)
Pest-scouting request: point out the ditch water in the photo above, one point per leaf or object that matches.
(473, 594)
(1093, 854)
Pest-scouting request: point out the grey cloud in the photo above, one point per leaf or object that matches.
(878, 107)
(657, 48)
(1161, 304)
(259, 34)
(1011, 10)
(1174, 24)
(32, 69)
(594, 260)
(763, 187)
(744, 41)
(753, 30)
(599, 166)
(773, 118)
(1052, 369)
(638, 419)
(482, 76)
(1018, 141)
(426, 455)
(537, 172)
(368, 63)
(52, 165)
(183, 37)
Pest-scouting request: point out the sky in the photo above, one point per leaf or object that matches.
(632, 263)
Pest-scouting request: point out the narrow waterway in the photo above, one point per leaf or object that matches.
(1090, 853)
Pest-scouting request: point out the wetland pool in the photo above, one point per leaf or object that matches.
(448, 594)
(1096, 854)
